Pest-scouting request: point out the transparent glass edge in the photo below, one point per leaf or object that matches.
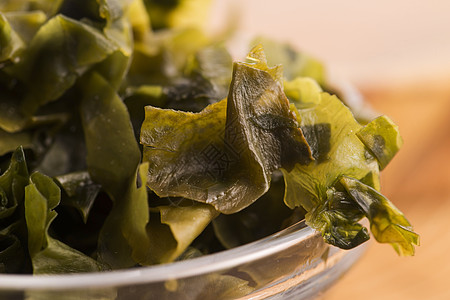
(181, 269)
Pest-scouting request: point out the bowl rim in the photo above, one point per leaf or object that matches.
(299, 232)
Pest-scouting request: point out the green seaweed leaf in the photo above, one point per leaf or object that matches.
(80, 191)
(174, 227)
(304, 92)
(13, 182)
(340, 186)
(225, 154)
(49, 256)
(338, 151)
(13, 237)
(112, 158)
(10, 42)
(387, 223)
(382, 138)
(72, 48)
(346, 154)
(123, 240)
(113, 161)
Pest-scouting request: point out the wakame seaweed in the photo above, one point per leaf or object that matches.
(129, 137)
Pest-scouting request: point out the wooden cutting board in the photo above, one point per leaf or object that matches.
(418, 182)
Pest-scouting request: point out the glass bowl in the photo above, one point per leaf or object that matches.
(294, 263)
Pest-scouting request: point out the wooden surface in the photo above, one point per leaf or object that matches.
(418, 182)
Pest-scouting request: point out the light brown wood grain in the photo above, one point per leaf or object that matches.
(418, 182)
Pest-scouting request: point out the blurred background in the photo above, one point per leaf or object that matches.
(397, 53)
(368, 42)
